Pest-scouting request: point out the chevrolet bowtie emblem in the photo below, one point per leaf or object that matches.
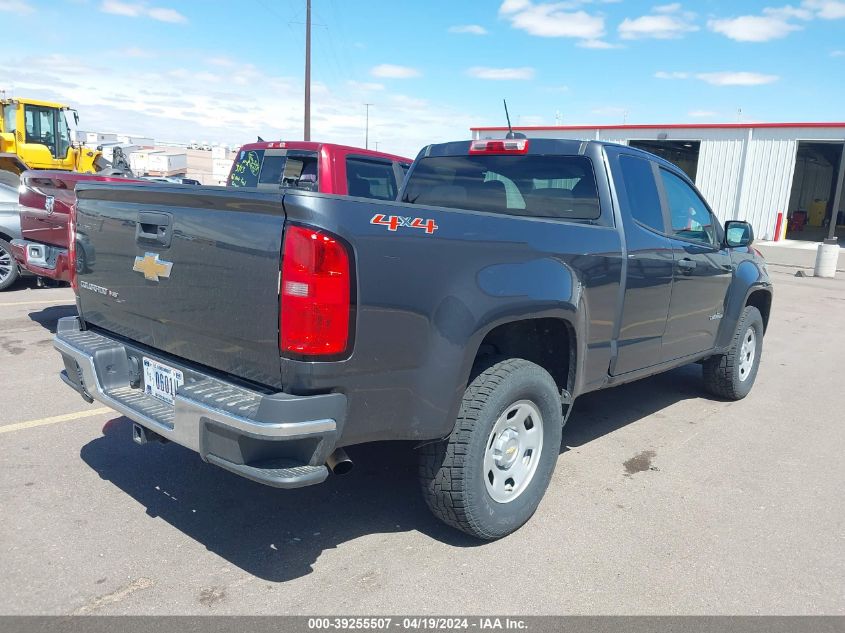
(152, 266)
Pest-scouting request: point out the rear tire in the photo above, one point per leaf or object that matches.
(8, 266)
(731, 375)
(488, 477)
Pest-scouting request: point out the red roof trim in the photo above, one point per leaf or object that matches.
(671, 126)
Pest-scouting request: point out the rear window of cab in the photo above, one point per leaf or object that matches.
(294, 169)
(528, 185)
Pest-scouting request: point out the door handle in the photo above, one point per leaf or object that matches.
(686, 265)
(154, 228)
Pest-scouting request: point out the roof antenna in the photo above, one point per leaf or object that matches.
(511, 133)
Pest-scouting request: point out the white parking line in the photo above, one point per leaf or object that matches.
(33, 303)
(67, 417)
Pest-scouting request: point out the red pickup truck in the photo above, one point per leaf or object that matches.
(323, 167)
(46, 196)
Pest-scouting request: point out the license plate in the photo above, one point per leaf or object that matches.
(161, 381)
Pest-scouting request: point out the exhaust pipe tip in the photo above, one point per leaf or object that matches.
(339, 462)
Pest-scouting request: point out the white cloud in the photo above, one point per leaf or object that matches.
(753, 28)
(122, 8)
(725, 78)
(664, 23)
(702, 114)
(776, 22)
(166, 15)
(737, 78)
(597, 44)
(138, 9)
(839, 53)
(391, 71)
(826, 9)
(557, 19)
(222, 61)
(137, 53)
(501, 74)
(128, 95)
(469, 29)
(16, 6)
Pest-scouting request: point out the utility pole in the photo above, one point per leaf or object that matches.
(307, 132)
(367, 126)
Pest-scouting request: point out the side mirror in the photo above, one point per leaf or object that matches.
(738, 234)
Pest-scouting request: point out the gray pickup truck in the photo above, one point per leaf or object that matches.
(268, 330)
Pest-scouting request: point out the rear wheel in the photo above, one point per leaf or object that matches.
(489, 476)
(731, 375)
(8, 266)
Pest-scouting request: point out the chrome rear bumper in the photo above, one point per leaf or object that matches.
(277, 439)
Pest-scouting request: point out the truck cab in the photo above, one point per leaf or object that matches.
(37, 135)
(321, 167)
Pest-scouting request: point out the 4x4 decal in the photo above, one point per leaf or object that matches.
(393, 222)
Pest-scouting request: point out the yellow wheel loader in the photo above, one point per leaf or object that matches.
(37, 135)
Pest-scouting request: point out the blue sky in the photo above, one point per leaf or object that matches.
(228, 71)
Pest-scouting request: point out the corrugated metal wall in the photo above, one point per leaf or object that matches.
(719, 172)
(769, 168)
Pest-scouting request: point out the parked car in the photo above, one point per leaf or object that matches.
(512, 277)
(323, 167)
(10, 229)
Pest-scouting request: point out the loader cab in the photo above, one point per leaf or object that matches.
(39, 133)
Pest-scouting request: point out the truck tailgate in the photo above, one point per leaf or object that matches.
(189, 271)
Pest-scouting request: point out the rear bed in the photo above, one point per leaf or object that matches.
(189, 271)
(178, 296)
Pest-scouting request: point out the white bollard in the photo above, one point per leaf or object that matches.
(827, 258)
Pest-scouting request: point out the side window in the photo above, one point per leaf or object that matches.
(272, 168)
(301, 171)
(63, 128)
(641, 190)
(10, 115)
(691, 220)
(41, 127)
(370, 179)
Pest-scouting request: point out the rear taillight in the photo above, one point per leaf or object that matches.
(71, 247)
(506, 146)
(315, 294)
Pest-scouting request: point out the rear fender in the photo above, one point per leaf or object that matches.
(569, 309)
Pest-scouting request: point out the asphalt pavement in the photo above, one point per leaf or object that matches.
(664, 501)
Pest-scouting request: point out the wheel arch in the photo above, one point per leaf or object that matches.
(761, 298)
(748, 282)
(550, 341)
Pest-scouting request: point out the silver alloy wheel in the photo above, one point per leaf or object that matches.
(513, 451)
(746, 353)
(6, 264)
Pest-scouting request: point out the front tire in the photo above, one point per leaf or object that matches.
(8, 266)
(731, 375)
(488, 477)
